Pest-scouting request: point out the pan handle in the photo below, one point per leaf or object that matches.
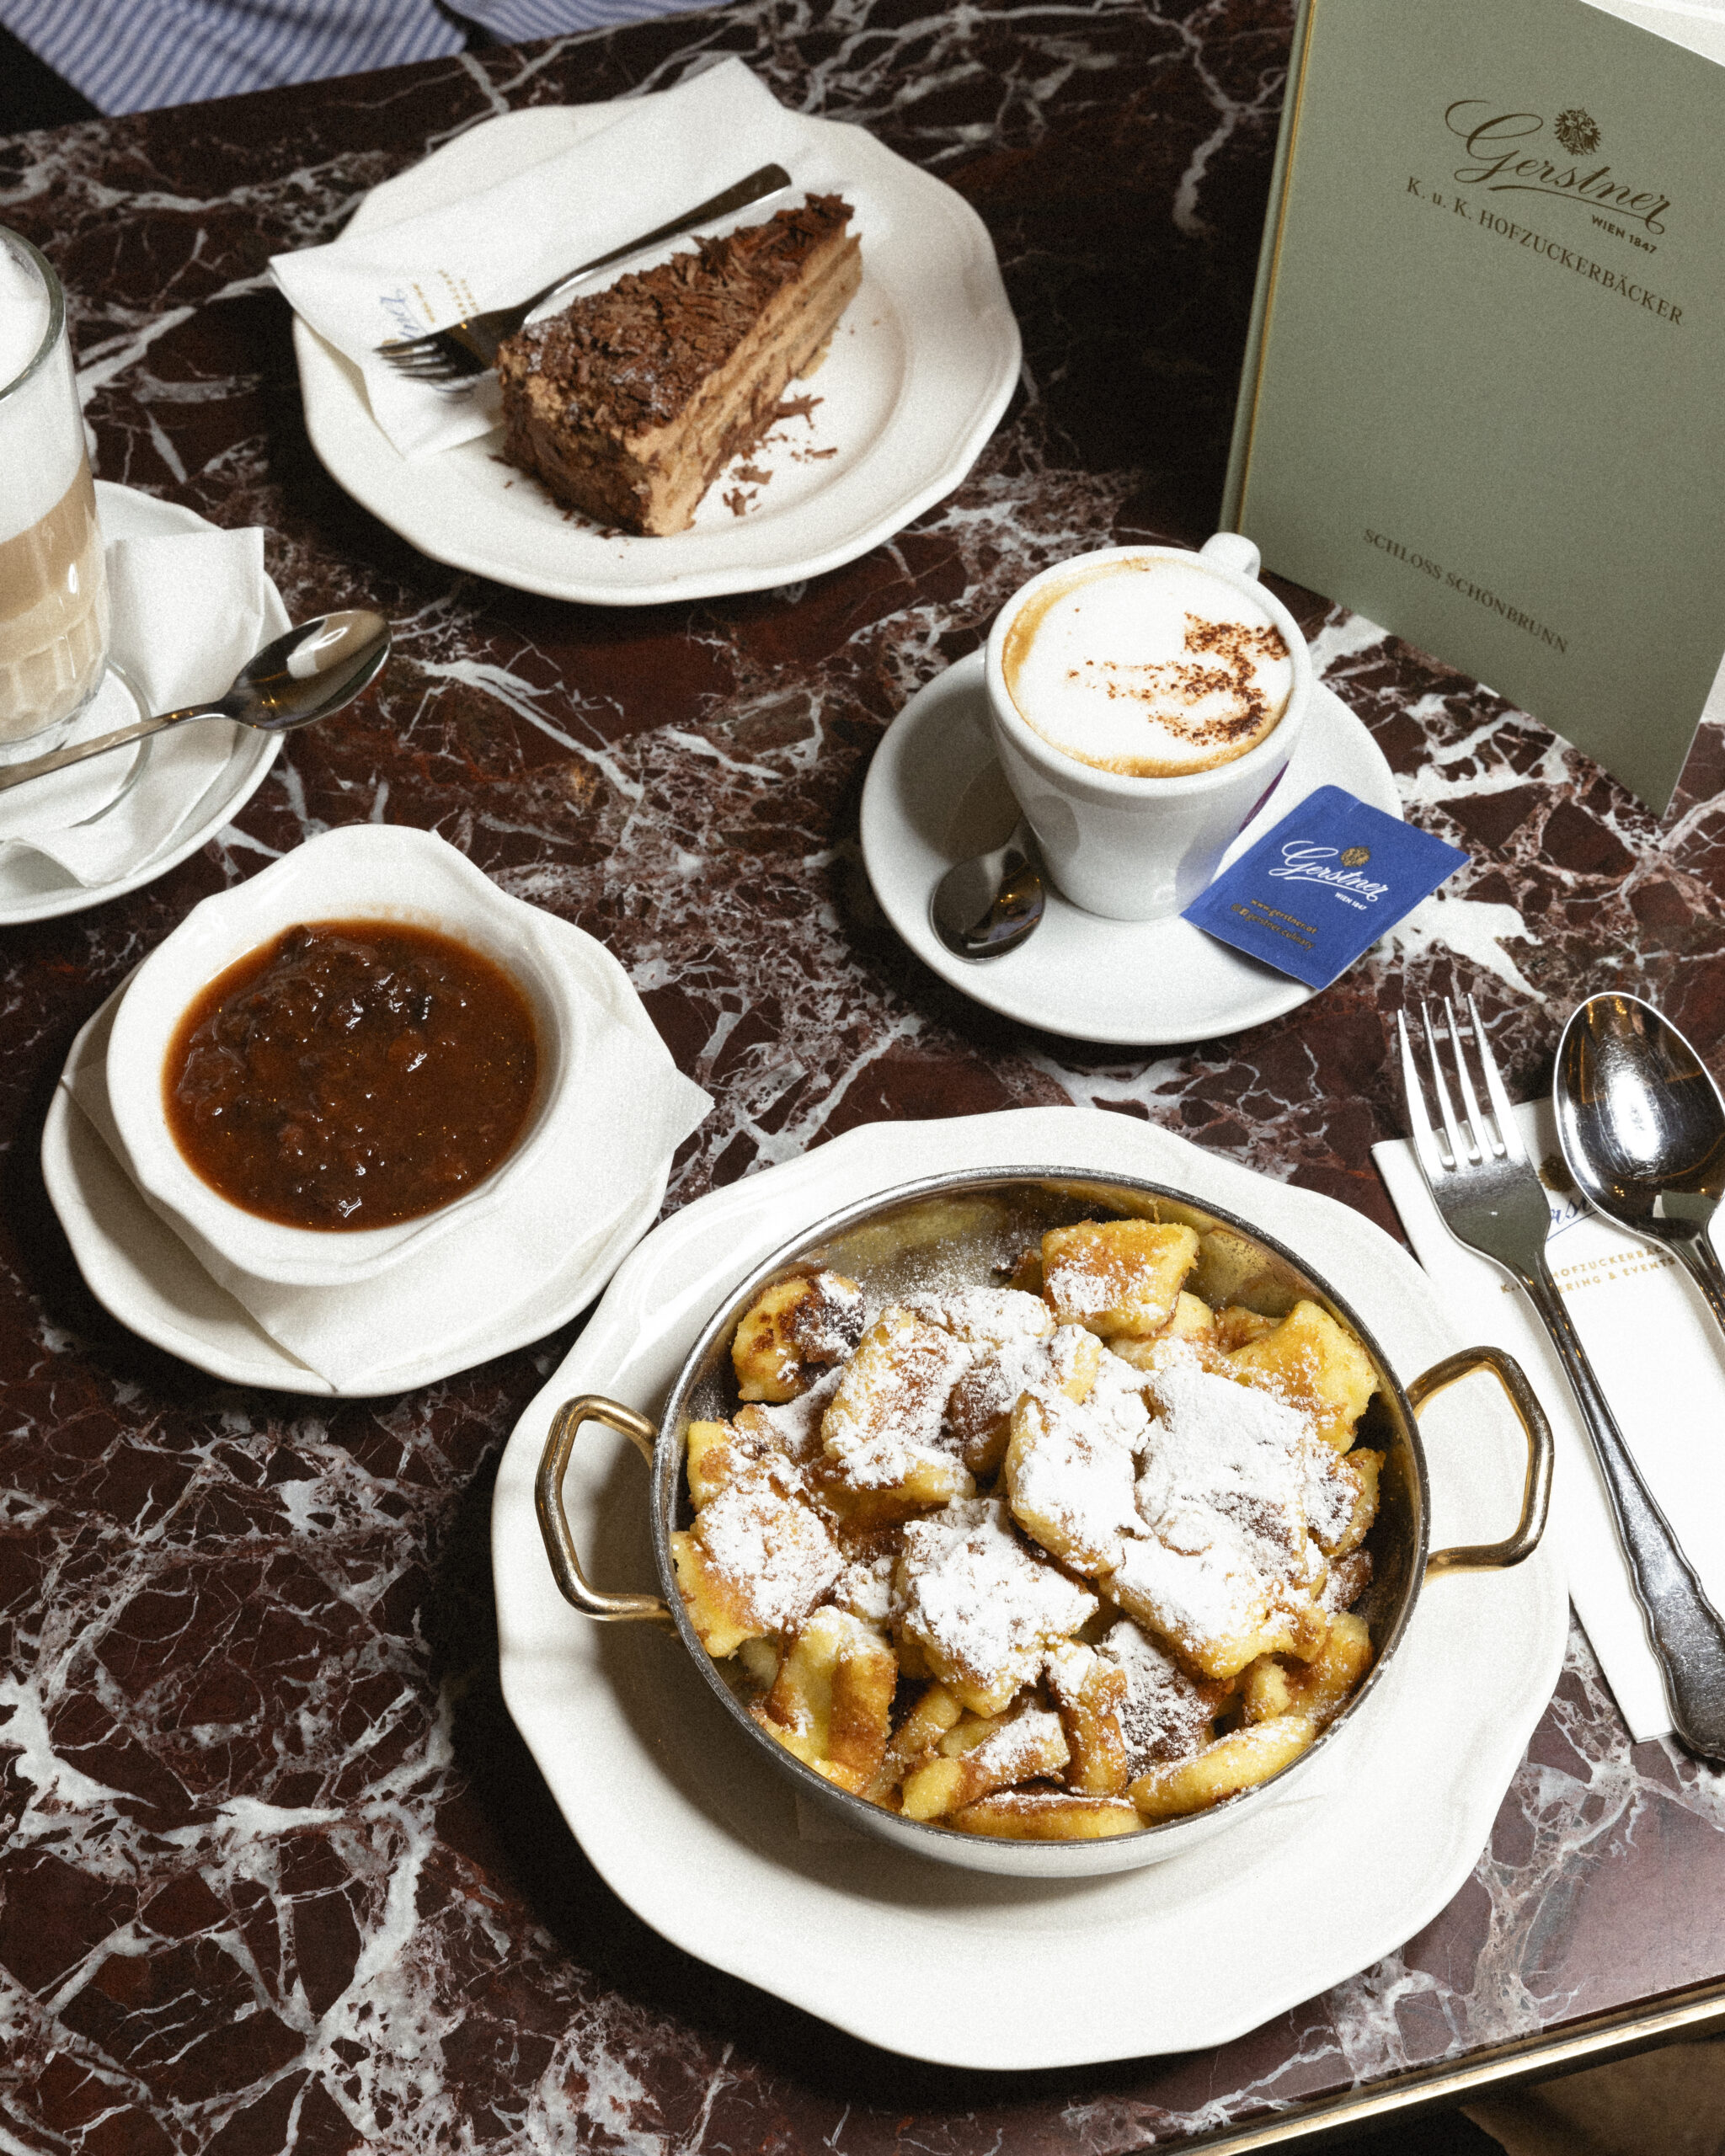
(553, 1520)
(1536, 1490)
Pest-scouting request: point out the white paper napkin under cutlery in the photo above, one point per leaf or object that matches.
(1659, 1357)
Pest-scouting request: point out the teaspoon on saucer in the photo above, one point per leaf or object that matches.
(1642, 1128)
(306, 675)
(986, 906)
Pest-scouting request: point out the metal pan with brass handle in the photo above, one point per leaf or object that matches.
(1536, 1490)
(961, 1227)
(554, 1521)
(624, 1608)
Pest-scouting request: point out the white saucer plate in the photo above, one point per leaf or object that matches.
(83, 793)
(33, 889)
(919, 371)
(141, 1272)
(692, 1829)
(935, 794)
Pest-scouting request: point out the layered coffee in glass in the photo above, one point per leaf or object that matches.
(53, 592)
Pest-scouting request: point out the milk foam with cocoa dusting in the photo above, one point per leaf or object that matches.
(1148, 668)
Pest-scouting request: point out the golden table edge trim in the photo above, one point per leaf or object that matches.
(1620, 2032)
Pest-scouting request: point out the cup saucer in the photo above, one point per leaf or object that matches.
(80, 793)
(34, 887)
(935, 795)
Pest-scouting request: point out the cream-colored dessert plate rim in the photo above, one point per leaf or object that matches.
(694, 1830)
(126, 513)
(141, 1274)
(935, 269)
(935, 794)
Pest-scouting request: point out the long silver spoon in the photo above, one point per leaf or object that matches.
(986, 906)
(306, 675)
(1642, 1127)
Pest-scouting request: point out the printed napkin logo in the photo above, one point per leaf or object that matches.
(1577, 131)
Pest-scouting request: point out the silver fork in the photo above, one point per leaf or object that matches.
(1491, 1199)
(466, 349)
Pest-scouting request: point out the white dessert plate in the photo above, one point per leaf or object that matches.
(33, 889)
(919, 371)
(935, 794)
(141, 1272)
(695, 1831)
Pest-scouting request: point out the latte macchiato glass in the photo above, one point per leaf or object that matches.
(53, 591)
(1143, 702)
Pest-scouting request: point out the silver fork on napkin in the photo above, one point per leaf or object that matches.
(1490, 1198)
(467, 349)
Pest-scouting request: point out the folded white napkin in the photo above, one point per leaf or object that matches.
(1661, 1360)
(627, 1109)
(189, 611)
(654, 157)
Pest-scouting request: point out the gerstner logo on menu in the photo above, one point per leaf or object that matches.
(1577, 131)
(1503, 158)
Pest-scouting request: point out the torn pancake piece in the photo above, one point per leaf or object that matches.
(757, 1560)
(881, 1433)
(982, 1607)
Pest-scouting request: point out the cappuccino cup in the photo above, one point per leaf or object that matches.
(1144, 703)
(53, 589)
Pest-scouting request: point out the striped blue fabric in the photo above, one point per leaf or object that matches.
(135, 56)
(514, 21)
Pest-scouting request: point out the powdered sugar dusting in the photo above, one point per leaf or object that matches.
(1115, 1403)
(886, 1416)
(1198, 1597)
(1331, 1490)
(827, 1324)
(769, 1546)
(794, 1425)
(1349, 1578)
(1001, 1375)
(1081, 1287)
(1230, 1450)
(1033, 1742)
(1069, 1666)
(865, 1589)
(1071, 1484)
(987, 1317)
(971, 1590)
(1165, 1715)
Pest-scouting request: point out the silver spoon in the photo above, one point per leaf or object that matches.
(986, 906)
(1642, 1127)
(310, 672)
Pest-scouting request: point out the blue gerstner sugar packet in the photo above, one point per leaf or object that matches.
(1333, 875)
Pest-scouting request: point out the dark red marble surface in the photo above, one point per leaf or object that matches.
(277, 1872)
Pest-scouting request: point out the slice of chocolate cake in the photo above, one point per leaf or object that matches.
(630, 402)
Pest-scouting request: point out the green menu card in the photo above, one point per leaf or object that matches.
(1484, 399)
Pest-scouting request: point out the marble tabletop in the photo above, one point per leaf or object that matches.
(277, 1871)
